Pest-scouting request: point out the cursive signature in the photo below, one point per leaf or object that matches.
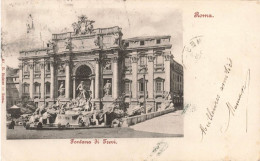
(211, 111)
(232, 109)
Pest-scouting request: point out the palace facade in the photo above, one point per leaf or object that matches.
(140, 68)
(12, 86)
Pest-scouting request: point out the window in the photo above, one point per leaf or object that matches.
(127, 62)
(158, 41)
(25, 68)
(159, 59)
(47, 89)
(141, 42)
(26, 88)
(127, 87)
(48, 67)
(159, 85)
(37, 88)
(141, 86)
(142, 60)
(37, 67)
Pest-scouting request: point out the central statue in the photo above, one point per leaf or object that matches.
(82, 90)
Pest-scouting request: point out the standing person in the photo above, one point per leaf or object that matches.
(12, 124)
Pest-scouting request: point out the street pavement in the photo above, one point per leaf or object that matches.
(171, 123)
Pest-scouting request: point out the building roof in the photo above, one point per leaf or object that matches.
(35, 49)
(12, 72)
(147, 38)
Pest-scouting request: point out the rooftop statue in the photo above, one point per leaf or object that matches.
(83, 26)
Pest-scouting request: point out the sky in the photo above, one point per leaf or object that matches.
(135, 19)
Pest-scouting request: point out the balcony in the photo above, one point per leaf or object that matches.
(141, 94)
(25, 94)
(158, 67)
(128, 94)
(128, 69)
(36, 95)
(47, 95)
(37, 71)
(159, 93)
(26, 75)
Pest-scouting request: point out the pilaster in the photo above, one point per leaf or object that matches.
(67, 81)
(20, 80)
(42, 65)
(150, 75)
(97, 80)
(31, 79)
(115, 77)
(134, 59)
(52, 79)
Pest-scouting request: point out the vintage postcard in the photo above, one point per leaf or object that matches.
(130, 80)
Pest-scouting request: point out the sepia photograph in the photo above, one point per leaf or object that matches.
(87, 77)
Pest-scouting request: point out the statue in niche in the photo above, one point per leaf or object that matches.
(82, 90)
(107, 88)
(62, 89)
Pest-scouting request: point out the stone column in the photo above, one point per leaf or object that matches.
(31, 79)
(134, 76)
(67, 81)
(92, 87)
(150, 68)
(167, 65)
(42, 80)
(115, 77)
(20, 80)
(74, 87)
(52, 80)
(97, 81)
